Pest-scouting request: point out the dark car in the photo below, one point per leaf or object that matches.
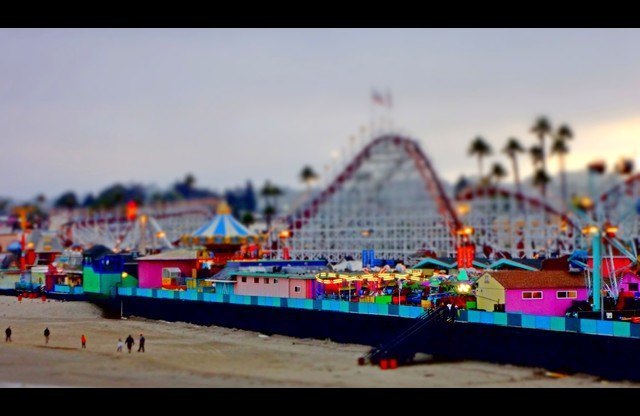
(576, 307)
(415, 297)
(344, 295)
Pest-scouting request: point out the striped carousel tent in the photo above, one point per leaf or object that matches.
(223, 229)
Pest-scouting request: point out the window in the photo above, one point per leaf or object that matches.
(297, 289)
(633, 287)
(256, 280)
(567, 294)
(244, 279)
(486, 278)
(532, 295)
(266, 280)
(275, 281)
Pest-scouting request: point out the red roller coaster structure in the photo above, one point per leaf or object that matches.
(515, 224)
(389, 198)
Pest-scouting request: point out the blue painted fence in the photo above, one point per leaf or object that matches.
(74, 290)
(553, 323)
(324, 305)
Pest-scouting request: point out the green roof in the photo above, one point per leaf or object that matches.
(433, 261)
(512, 263)
(462, 275)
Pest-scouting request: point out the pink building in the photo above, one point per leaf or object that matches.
(630, 282)
(275, 285)
(150, 267)
(538, 293)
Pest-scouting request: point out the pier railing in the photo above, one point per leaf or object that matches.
(402, 311)
(553, 323)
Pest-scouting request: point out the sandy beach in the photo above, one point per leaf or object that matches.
(185, 355)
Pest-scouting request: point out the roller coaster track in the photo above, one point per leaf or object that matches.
(388, 197)
(470, 193)
(422, 164)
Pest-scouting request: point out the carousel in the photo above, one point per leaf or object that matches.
(225, 237)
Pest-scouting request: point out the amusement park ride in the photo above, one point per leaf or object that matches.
(389, 198)
(137, 229)
(611, 225)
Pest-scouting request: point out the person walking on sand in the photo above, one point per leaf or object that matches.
(46, 335)
(141, 344)
(120, 345)
(83, 339)
(129, 341)
(7, 332)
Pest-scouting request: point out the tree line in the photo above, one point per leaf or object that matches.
(242, 200)
(544, 132)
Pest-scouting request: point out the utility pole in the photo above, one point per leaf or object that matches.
(596, 245)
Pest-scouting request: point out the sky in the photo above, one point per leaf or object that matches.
(81, 109)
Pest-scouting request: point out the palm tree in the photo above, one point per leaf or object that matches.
(498, 172)
(512, 149)
(541, 128)
(67, 200)
(564, 132)
(189, 180)
(269, 212)
(541, 178)
(271, 193)
(480, 148)
(536, 155)
(247, 218)
(276, 193)
(267, 190)
(308, 176)
(560, 147)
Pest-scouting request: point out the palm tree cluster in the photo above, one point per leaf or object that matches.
(544, 132)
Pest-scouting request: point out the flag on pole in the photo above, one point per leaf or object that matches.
(377, 98)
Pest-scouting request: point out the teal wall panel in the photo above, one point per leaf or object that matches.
(588, 326)
(486, 317)
(557, 323)
(473, 316)
(499, 318)
(604, 327)
(543, 322)
(408, 311)
(383, 309)
(415, 311)
(464, 315)
(528, 321)
(372, 308)
(144, 292)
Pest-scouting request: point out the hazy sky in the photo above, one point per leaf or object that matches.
(81, 109)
